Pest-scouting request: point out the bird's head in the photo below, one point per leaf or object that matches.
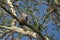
(24, 15)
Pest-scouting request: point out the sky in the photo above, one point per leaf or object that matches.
(42, 9)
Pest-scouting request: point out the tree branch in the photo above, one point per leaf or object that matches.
(20, 30)
(4, 33)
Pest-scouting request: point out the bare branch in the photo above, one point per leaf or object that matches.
(56, 1)
(20, 30)
(4, 33)
(11, 7)
(50, 12)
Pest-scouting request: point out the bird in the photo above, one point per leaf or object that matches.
(23, 19)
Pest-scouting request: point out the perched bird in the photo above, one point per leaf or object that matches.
(23, 19)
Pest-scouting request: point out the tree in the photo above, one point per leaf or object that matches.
(36, 24)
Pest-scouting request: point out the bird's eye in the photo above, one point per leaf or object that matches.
(26, 18)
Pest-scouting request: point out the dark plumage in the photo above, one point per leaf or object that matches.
(23, 19)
